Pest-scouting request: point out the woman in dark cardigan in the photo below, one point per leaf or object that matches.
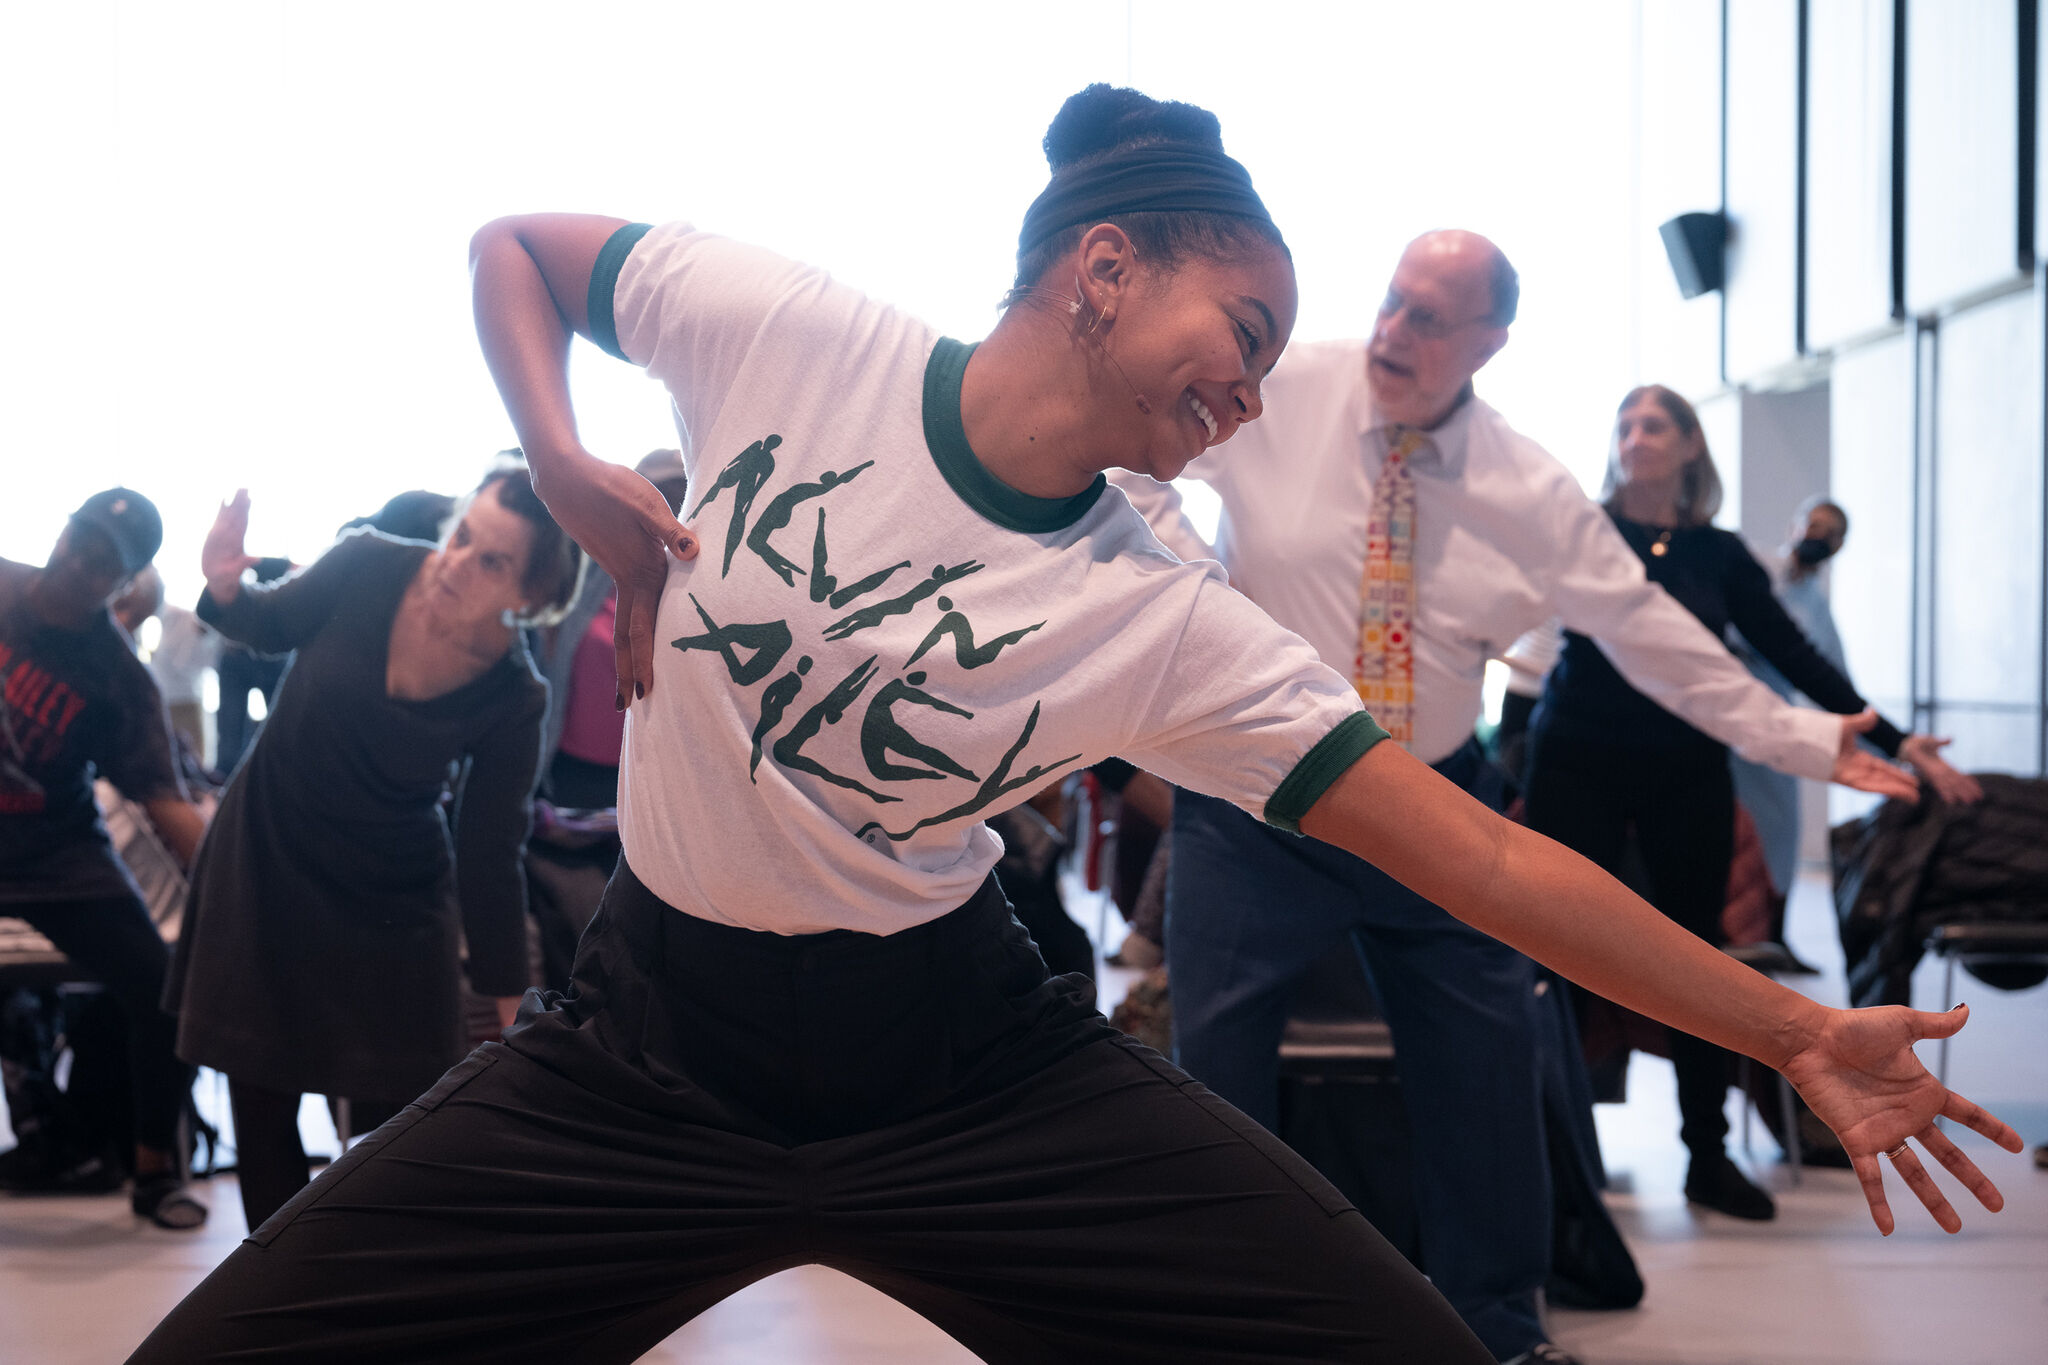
(322, 942)
(1605, 758)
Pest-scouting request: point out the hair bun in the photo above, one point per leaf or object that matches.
(1104, 117)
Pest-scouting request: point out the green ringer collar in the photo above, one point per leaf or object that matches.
(946, 436)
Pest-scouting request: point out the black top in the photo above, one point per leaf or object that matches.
(74, 704)
(321, 940)
(1713, 576)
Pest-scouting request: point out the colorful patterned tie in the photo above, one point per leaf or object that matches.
(1384, 670)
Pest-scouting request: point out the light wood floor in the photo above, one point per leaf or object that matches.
(81, 1281)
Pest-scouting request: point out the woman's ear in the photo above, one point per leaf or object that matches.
(1108, 269)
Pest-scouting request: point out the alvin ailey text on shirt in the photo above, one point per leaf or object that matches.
(891, 752)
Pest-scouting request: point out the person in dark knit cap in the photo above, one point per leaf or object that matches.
(75, 703)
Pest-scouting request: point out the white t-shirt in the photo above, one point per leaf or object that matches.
(880, 645)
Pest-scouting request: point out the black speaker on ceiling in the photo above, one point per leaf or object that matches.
(1694, 241)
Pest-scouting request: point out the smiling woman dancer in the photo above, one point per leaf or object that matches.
(804, 1026)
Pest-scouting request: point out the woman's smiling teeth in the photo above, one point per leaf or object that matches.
(1203, 415)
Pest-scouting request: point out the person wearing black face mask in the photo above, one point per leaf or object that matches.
(1815, 550)
(1818, 531)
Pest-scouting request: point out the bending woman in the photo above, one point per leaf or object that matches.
(322, 940)
(1604, 758)
(805, 1027)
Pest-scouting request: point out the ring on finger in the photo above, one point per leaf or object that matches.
(1895, 1153)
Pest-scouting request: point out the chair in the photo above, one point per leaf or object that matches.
(1334, 1031)
(1340, 1097)
(2021, 947)
(29, 960)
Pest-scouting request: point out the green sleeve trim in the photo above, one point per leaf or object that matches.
(946, 436)
(1319, 767)
(604, 281)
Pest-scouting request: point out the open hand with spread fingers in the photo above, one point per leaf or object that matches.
(1861, 1077)
(1923, 754)
(222, 558)
(1865, 771)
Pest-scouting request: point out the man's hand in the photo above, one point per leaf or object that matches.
(222, 558)
(1923, 754)
(622, 521)
(1856, 767)
(1861, 1077)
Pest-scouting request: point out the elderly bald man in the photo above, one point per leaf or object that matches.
(1376, 467)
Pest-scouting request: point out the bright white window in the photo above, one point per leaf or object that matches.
(237, 231)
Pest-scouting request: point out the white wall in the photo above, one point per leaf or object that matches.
(238, 228)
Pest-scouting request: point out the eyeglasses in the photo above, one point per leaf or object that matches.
(1422, 320)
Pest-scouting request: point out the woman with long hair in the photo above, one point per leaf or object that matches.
(334, 893)
(1604, 759)
(805, 1027)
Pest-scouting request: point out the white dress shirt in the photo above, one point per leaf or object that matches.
(185, 650)
(1505, 539)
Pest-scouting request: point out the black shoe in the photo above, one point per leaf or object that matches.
(166, 1201)
(1715, 1182)
(1545, 1353)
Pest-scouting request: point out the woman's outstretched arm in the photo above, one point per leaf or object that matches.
(1855, 1067)
(530, 284)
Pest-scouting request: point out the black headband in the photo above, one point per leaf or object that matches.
(1158, 178)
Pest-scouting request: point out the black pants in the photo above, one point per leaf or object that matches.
(1588, 797)
(113, 938)
(240, 674)
(927, 1112)
(270, 1159)
(1482, 1054)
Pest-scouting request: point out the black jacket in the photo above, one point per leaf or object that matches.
(1907, 867)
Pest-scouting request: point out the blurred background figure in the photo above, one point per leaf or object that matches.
(180, 650)
(75, 703)
(1605, 761)
(413, 515)
(136, 603)
(1819, 530)
(244, 674)
(580, 754)
(575, 842)
(322, 941)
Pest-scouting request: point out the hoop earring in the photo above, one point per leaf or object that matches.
(1092, 333)
(1080, 305)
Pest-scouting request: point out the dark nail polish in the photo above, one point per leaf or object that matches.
(638, 691)
(1958, 1005)
(618, 701)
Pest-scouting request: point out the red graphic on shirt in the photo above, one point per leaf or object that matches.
(37, 710)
